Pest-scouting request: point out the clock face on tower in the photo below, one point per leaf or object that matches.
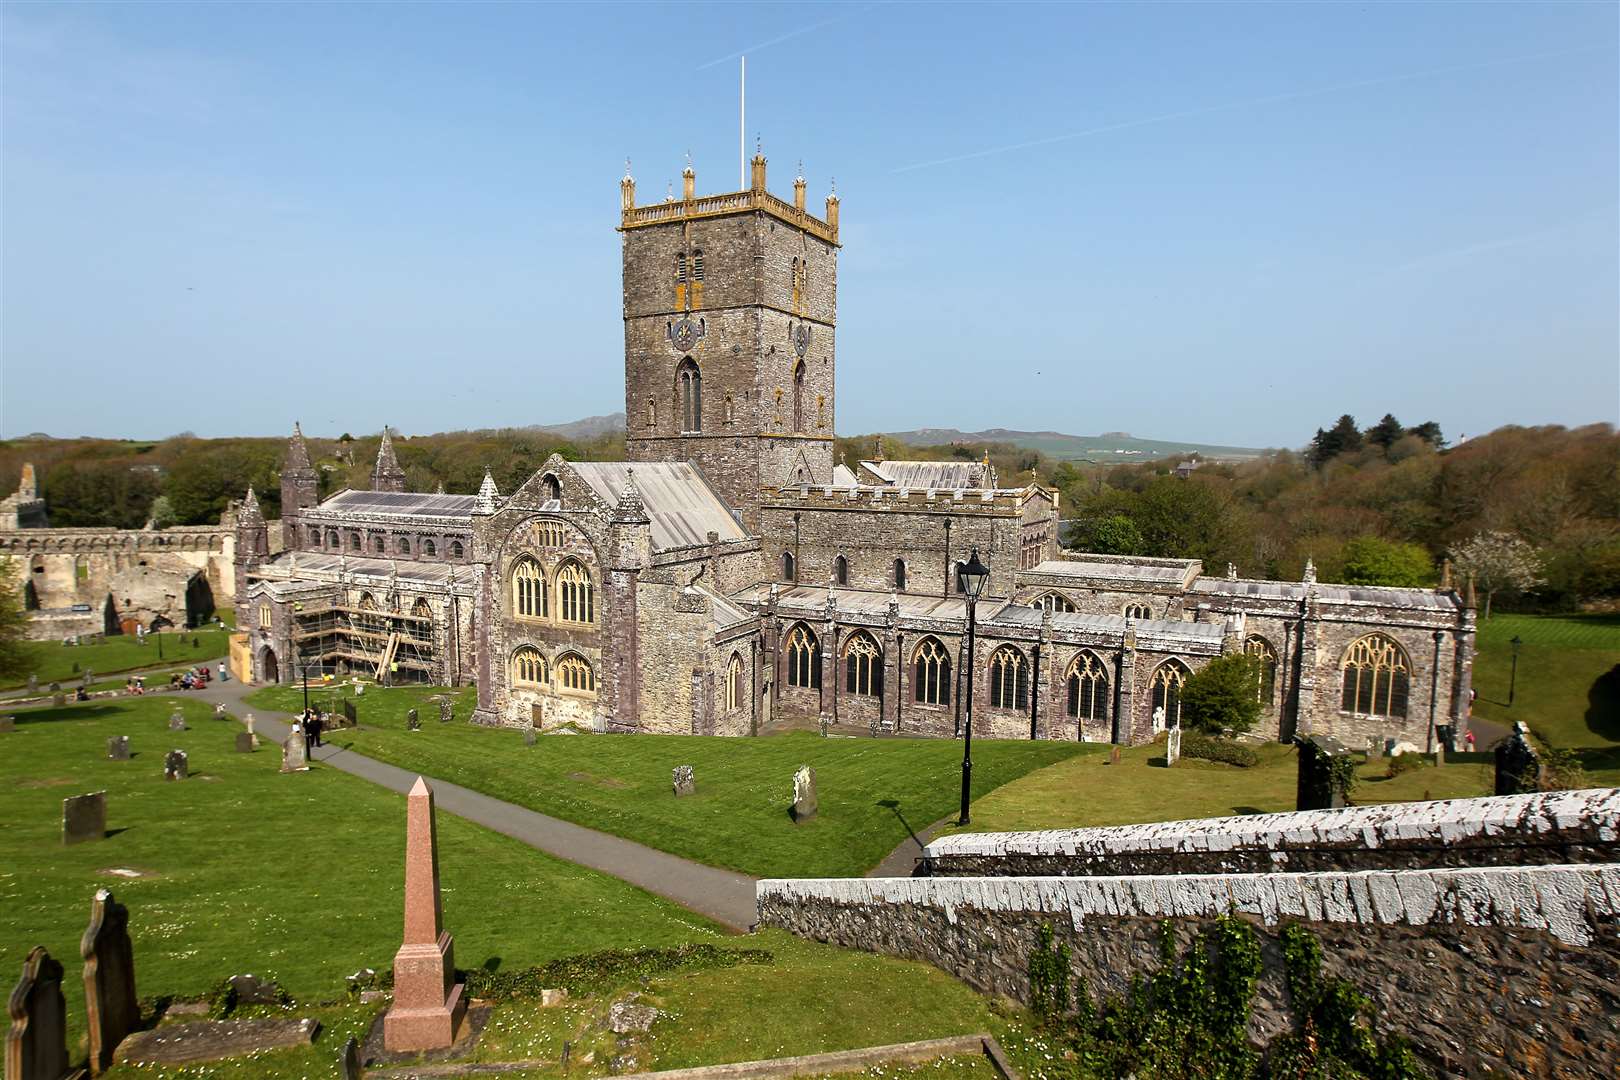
(686, 333)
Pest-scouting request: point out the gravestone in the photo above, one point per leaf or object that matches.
(84, 817)
(351, 1060)
(1326, 770)
(111, 1008)
(215, 1040)
(413, 721)
(1172, 746)
(251, 990)
(294, 753)
(89, 677)
(804, 794)
(177, 721)
(685, 782)
(33, 684)
(528, 736)
(244, 742)
(447, 712)
(428, 1003)
(1518, 766)
(351, 715)
(219, 712)
(1113, 754)
(174, 765)
(118, 748)
(359, 689)
(8, 723)
(1375, 748)
(36, 1044)
(58, 699)
(56, 687)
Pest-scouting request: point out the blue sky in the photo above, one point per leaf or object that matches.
(1221, 223)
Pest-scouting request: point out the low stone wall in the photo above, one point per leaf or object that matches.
(1492, 971)
(1548, 828)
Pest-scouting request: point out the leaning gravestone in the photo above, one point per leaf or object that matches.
(36, 1045)
(111, 1008)
(804, 794)
(118, 748)
(1172, 747)
(177, 721)
(244, 742)
(685, 783)
(174, 765)
(294, 753)
(84, 817)
(412, 721)
(1518, 766)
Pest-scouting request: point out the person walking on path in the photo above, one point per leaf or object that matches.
(224, 676)
(316, 724)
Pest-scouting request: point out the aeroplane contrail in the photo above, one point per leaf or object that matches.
(1292, 95)
(789, 36)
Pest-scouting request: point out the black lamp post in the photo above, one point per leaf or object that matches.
(974, 575)
(1513, 672)
(305, 666)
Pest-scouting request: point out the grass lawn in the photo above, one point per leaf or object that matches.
(53, 661)
(1568, 686)
(298, 877)
(871, 790)
(1086, 791)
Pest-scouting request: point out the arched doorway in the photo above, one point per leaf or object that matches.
(199, 601)
(268, 670)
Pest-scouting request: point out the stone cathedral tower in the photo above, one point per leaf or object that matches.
(729, 307)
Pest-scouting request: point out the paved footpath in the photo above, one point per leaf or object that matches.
(723, 895)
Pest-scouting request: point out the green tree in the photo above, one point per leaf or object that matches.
(1429, 432)
(14, 654)
(1116, 535)
(1371, 561)
(1385, 433)
(1342, 438)
(1223, 695)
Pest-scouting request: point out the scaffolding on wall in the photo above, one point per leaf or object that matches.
(392, 646)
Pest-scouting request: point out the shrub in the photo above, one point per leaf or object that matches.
(1223, 695)
(1213, 749)
(1405, 763)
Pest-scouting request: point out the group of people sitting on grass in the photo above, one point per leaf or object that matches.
(192, 678)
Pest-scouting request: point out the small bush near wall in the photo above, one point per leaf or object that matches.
(1190, 1018)
(1215, 749)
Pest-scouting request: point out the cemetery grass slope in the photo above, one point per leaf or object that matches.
(871, 790)
(52, 661)
(296, 877)
(1568, 686)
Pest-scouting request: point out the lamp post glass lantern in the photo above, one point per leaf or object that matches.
(971, 576)
(1513, 672)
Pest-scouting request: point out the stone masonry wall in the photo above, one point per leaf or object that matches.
(1562, 827)
(1496, 971)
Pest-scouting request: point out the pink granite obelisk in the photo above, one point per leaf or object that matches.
(428, 1002)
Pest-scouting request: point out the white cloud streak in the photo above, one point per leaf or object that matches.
(1269, 99)
(789, 36)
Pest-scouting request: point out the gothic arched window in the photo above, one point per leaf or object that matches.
(863, 666)
(803, 658)
(575, 673)
(931, 679)
(789, 569)
(1377, 678)
(332, 539)
(798, 396)
(1009, 679)
(734, 683)
(1138, 611)
(1053, 602)
(841, 570)
(576, 594)
(1088, 688)
(1167, 682)
(697, 265)
(680, 266)
(689, 395)
(900, 575)
(528, 589)
(1266, 658)
(528, 667)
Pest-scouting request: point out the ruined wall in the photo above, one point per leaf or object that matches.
(1496, 971)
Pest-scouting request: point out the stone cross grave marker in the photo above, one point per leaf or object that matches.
(84, 817)
(244, 742)
(428, 1003)
(174, 765)
(1172, 746)
(685, 782)
(412, 721)
(36, 1044)
(177, 721)
(118, 748)
(111, 1008)
(294, 752)
(804, 794)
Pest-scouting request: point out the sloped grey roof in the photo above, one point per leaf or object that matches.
(680, 504)
(922, 475)
(843, 477)
(1117, 569)
(402, 503)
(1357, 594)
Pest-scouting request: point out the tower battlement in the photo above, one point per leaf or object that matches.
(693, 207)
(1008, 502)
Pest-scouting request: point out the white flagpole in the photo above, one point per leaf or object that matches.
(742, 128)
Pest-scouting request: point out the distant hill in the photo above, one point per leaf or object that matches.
(1110, 446)
(589, 428)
